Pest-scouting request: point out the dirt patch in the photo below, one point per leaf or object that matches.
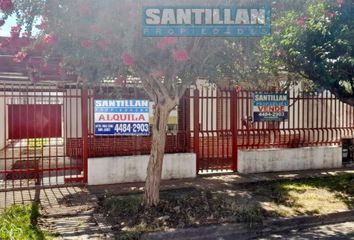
(248, 203)
(178, 209)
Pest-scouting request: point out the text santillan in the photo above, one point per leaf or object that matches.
(201, 16)
(267, 97)
(122, 103)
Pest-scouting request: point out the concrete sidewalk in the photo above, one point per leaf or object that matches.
(66, 211)
(71, 212)
(75, 218)
(228, 180)
(219, 180)
(242, 232)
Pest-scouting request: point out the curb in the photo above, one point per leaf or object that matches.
(241, 231)
(281, 225)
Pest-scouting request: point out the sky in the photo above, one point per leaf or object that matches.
(6, 28)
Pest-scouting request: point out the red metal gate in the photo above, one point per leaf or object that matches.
(36, 122)
(223, 124)
(212, 130)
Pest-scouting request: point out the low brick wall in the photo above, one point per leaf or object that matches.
(209, 145)
(122, 146)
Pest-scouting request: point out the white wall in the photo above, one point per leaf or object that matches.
(72, 114)
(109, 170)
(275, 160)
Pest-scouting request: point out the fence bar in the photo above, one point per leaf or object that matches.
(196, 127)
(314, 119)
(234, 117)
(84, 118)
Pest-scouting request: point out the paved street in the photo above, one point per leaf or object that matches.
(331, 231)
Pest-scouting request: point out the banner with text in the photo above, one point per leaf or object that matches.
(206, 21)
(122, 117)
(270, 107)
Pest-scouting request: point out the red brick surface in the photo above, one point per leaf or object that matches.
(121, 146)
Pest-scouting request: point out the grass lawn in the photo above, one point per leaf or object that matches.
(305, 197)
(247, 203)
(19, 222)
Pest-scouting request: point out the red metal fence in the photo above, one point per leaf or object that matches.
(223, 124)
(47, 127)
(47, 134)
(35, 123)
(315, 119)
(100, 146)
(47, 130)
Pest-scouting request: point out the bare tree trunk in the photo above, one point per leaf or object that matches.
(154, 169)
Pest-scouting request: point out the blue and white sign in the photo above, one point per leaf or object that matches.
(270, 107)
(205, 21)
(122, 117)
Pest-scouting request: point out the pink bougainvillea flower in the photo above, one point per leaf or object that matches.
(180, 55)
(6, 5)
(43, 25)
(49, 39)
(15, 31)
(166, 41)
(238, 89)
(127, 59)
(86, 43)
(330, 14)
(19, 57)
(156, 73)
(2, 22)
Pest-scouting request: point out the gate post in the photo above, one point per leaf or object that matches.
(234, 128)
(196, 126)
(84, 123)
